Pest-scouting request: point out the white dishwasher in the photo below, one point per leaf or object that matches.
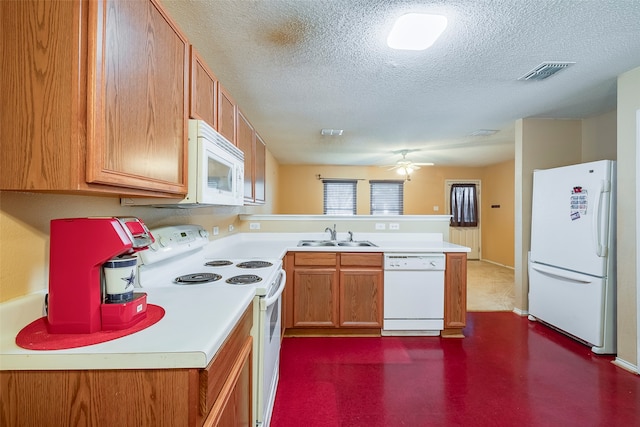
(413, 294)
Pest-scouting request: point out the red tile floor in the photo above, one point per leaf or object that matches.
(508, 371)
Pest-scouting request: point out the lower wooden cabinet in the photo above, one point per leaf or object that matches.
(218, 395)
(360, 298)
(334, 290)
(455, 294)
(315, 297)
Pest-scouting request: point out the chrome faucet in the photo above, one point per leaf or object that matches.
(331, 232)
(350, 236)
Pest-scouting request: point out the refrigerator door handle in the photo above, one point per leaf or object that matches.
(561, 274)
(601, 219)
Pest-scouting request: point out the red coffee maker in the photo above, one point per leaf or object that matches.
(79, 248)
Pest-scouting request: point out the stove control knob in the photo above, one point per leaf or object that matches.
(162, 241)
(204, 233)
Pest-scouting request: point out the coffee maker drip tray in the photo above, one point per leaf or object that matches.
(197, 278)
(36, 335)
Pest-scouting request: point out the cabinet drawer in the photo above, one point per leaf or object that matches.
(315, 258)
(361, 259)
(213, 377)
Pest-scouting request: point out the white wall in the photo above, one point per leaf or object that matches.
(628, 105)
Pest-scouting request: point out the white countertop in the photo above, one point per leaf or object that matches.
(197, 319)
(276, 245)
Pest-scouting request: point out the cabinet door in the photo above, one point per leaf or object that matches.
(361, 298)
(315, 297)
(455, 294)
(138, 97)
(246, 143)
(233, 407)
(260, 179)
(226, 115)
(203, 90)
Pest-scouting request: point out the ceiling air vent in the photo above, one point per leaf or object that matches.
(545, 70)
(331, 132)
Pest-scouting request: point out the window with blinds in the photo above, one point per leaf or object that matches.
(387, 197)
(340, 197)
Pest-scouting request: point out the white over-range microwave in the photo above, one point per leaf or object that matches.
(215, 174)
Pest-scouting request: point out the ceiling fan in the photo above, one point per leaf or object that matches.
(405, 166)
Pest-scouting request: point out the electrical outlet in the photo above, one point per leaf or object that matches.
(436, 208)
(231, 227)
(216, 230)
(394, 226)
(254, 226)
(380, 226)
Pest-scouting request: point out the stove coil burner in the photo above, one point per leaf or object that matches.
(197, 278)
(218, 263)
(244, 279)
(254, 264)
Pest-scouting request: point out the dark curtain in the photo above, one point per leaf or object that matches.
(464, 205)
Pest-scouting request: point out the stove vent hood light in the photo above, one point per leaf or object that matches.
(416, 31)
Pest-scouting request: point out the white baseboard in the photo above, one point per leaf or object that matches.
(497, 263)
(520, 312)
(626, 365)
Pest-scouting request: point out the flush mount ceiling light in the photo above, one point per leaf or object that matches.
(416, 31)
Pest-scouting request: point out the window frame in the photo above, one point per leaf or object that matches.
(462, 217)
(331, 191)
(395, 207)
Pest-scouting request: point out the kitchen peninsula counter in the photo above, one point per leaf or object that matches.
(179, 340)
(276, 245)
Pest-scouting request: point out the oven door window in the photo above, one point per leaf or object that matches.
(219, 175)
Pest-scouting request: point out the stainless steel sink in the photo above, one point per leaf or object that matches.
(316, 243)
(362, 243)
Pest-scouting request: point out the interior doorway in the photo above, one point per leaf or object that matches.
(465, 236)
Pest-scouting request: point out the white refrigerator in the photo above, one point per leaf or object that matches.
(572, 263)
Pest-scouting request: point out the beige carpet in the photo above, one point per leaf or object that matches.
(490, 287)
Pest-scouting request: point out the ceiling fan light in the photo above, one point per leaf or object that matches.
(404, 170)
(416, 31)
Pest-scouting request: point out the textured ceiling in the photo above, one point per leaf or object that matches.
(297, 66)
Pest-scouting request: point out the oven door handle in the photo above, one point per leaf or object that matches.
(270, 299)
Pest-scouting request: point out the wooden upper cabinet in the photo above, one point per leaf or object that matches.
(97, 96)
(203, 91)
(260, 180)
(254, 150)
(246, 142)
(227, 125)
(138, 92)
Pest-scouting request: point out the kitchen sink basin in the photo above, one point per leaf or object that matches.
(356, 244)
(317, 243)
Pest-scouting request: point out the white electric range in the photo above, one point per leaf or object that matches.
(178, 258)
